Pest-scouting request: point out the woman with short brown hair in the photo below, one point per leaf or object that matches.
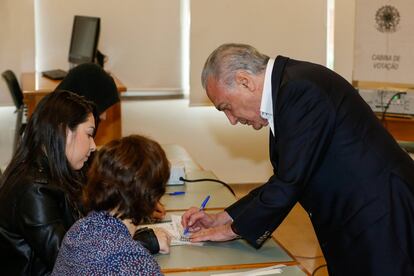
(126, 180)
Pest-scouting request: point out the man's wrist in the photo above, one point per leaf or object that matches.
(223, 218)
(235, 231)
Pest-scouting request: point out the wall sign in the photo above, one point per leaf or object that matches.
(384, 41)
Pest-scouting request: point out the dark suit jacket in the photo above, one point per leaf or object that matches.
(332, 154)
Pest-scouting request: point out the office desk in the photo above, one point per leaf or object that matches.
(401, 128)
(35, 87)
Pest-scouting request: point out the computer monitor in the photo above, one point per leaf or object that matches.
(84, 40)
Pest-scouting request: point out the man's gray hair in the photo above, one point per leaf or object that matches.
(227, 59)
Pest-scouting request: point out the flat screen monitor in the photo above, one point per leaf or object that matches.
(84, 40)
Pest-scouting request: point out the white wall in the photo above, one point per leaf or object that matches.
(236, 154)
(16, 41)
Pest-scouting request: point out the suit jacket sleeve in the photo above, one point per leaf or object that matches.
(41, 221)
(304, 121)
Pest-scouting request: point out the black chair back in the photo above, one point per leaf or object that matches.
(17, 96)
(14, 87)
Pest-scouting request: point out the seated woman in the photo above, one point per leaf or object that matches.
(41, 187)
(125, 181)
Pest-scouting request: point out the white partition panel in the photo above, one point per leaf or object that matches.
(384, 38)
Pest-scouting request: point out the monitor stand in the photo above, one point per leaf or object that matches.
(100, 58)
(72, 65)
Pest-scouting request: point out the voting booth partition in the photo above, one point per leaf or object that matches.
(383, 62)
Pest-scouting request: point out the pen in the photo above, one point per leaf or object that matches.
(176, 193)
(203, 205)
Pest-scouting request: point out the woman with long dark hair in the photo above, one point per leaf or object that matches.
(95, 84)
(40, 190)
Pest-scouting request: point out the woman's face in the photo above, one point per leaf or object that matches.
(80, 143)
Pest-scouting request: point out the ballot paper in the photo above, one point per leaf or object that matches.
(270, 270)
(174, 229)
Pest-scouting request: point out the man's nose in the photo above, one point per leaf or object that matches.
(232, 119)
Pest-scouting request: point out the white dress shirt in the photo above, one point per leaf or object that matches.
(266, 107)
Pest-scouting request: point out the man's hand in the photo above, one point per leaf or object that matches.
(196, 220)
(219, 233)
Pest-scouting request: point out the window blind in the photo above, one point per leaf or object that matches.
(294, 28)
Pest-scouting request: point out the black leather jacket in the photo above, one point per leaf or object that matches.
(35, 214)
(34, 217)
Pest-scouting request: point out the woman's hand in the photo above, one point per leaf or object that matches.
(159, 212)
(164, 240)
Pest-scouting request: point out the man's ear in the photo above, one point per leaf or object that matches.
(245, 79)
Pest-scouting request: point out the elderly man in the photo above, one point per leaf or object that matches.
(329, 153)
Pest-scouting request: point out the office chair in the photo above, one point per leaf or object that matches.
(91, 81)
(17, 96)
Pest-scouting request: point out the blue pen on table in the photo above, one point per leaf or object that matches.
(176, 193)
(203, 205)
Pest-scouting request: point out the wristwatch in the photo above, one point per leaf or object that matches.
(148, 239)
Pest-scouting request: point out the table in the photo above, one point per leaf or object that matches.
(293, 270)
(35, 87)
(178, 155)
(213, 257)
(195, 192)
(401, 128)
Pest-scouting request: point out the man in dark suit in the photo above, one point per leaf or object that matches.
(329, 152)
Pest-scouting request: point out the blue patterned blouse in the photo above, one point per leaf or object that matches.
(100, 244)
